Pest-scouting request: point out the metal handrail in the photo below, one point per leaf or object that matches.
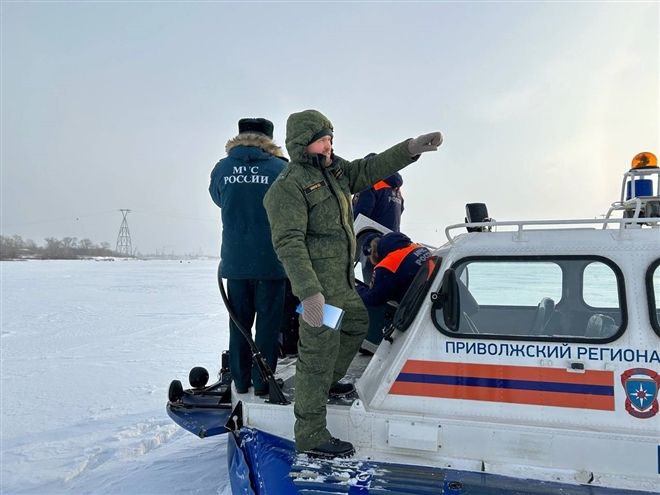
(521, 223)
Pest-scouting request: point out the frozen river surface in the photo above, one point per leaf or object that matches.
(88, 349)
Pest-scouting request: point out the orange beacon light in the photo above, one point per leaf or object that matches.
(644, 160)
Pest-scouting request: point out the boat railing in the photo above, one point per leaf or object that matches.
(520, 225)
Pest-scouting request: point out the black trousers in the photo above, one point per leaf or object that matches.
(250, 299)
(290, 325)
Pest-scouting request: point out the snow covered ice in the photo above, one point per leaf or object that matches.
(88, 351)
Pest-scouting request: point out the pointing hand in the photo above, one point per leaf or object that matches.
(425, 142)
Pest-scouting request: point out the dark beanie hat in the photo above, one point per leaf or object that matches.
(262, 126)
(322, 133)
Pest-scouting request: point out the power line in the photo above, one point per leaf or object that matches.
(59, 219)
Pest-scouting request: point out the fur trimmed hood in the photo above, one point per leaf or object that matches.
(253, 139)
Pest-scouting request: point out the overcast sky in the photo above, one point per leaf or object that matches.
(109, 105)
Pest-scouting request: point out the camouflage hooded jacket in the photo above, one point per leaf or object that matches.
(309, 208)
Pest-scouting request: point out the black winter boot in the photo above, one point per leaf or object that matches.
(339, 389)
(331, 449)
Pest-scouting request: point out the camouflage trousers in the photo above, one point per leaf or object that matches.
(324, 355)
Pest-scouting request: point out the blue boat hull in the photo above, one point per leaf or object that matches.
(202, 411)
(264, 464)
(203, 423)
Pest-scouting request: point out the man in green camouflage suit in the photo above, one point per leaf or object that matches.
(309, 210)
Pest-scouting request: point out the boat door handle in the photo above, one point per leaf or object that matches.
(576, 366)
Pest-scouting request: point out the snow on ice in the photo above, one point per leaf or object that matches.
(88, 350)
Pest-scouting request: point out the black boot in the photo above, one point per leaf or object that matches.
(339, 389)
(331, 449)
(265, 389)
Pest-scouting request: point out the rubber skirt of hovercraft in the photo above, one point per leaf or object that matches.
(265, 464)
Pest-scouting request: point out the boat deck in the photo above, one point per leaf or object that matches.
(286, 370)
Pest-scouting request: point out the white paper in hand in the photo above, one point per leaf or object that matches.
(332, 315)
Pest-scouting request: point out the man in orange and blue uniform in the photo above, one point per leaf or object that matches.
(382, 202)
(397, 260)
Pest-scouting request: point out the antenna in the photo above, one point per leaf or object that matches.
(124, 238)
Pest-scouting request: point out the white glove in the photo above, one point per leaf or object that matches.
(425, 142)
(312, 312)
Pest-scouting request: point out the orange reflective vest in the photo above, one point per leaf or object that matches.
(393, 260)
(381, 185)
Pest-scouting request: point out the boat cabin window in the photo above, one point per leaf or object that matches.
(538, 278)
(599, 286)
(653, 291)
(568, 299)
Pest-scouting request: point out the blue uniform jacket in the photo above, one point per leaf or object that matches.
(382, 202)
(238, 185)
(392, 286)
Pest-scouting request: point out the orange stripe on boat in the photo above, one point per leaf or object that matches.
(532, 373)
(557, 399)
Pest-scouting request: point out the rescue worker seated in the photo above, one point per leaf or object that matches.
(396, 261)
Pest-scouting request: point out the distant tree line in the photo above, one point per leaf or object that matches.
(67, 248)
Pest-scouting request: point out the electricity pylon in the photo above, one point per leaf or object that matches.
(124, 238)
